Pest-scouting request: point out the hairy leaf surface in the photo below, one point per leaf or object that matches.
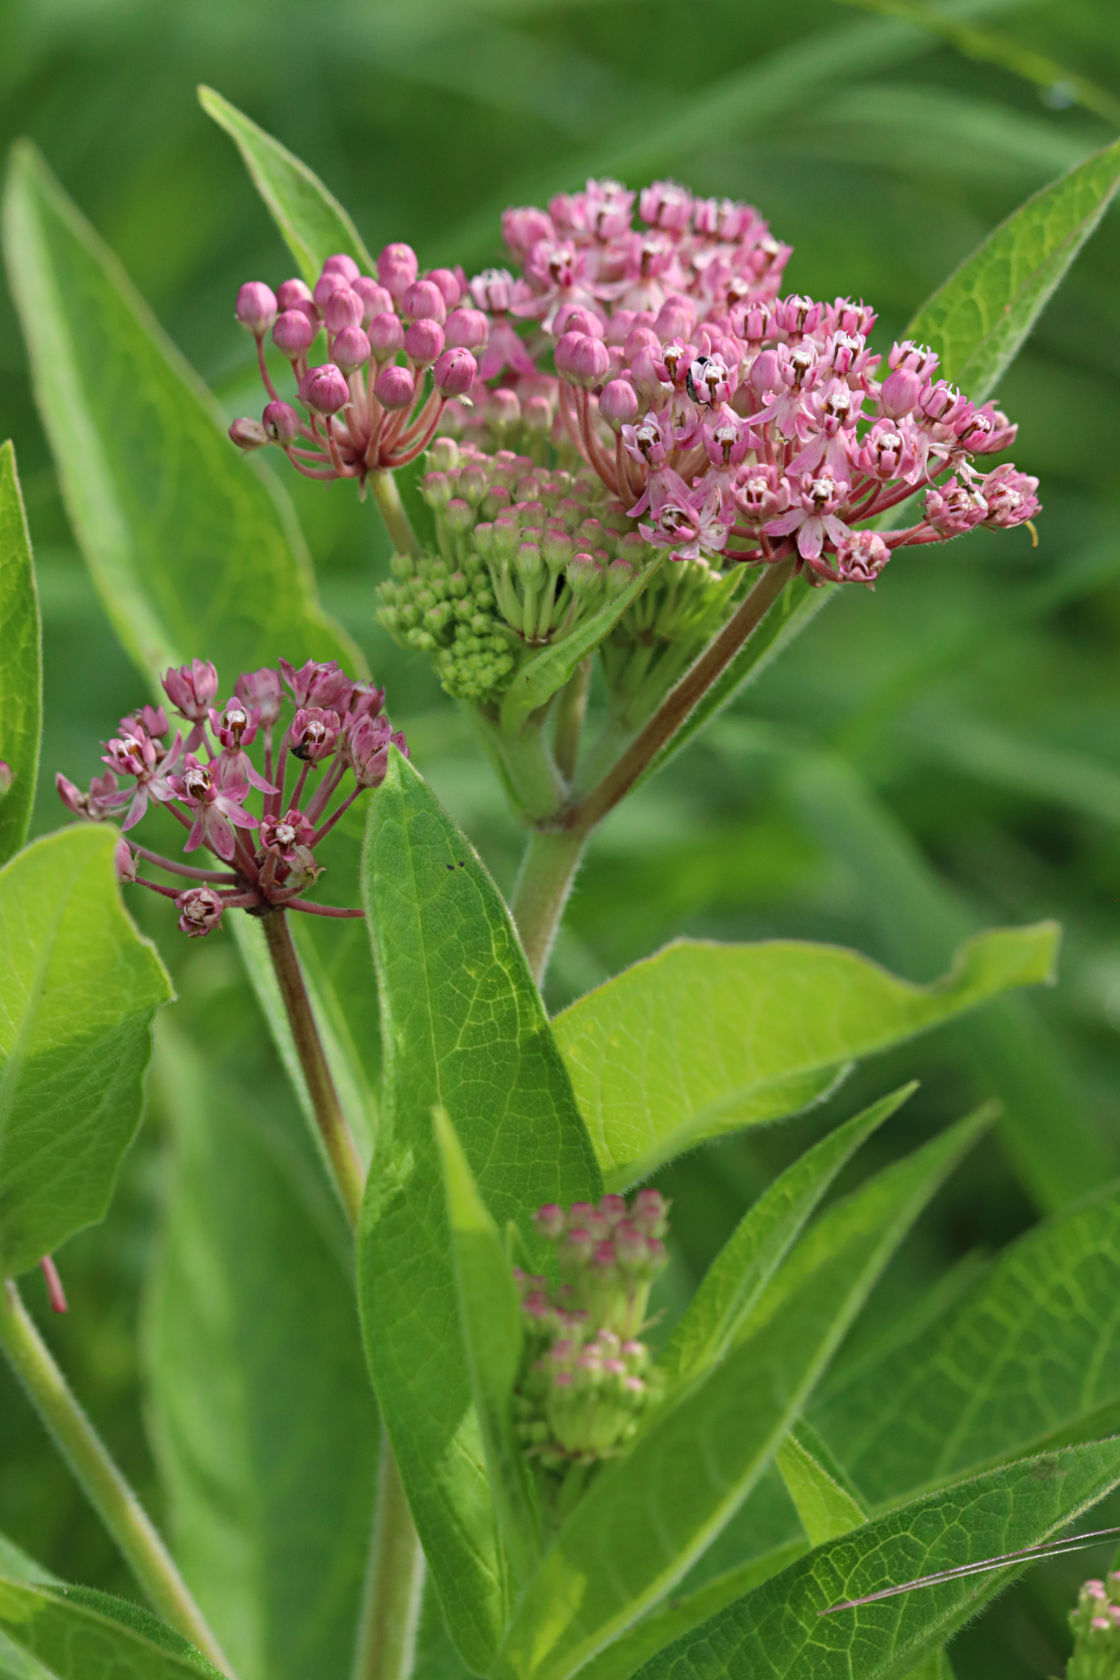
(21, 661)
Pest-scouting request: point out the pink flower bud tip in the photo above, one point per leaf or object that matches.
(342, 264)
(549, 1220)
(343, 308)
(423, 342)
(466, 329)
(294, 332)
(455, 372)
(582, 359)
(395, 388)
(324, 389)
(248, 434)
(351, 349)
(281, 422)
(256, 307)
(124, 861)
(200, 911)
(397, 268)
(423, 301)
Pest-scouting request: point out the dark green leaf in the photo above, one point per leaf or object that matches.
(21, 663)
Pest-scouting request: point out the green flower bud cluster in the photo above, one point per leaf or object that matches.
(587, 1379)
(1096, 1631)
(664, 630)
(522, 419)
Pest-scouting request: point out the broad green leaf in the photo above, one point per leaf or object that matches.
(751, 1255)
(464, 1029)
(647, 1517)
(978, 319)
(702, 1039)
(84, 1635)
(78, 990)
(824, 1504)
(21, 664)
(194, 550)
(546, 672)
(490, 1320)
(264, 1425)
(1030, 1355)
(778, 1632)
(312, 221)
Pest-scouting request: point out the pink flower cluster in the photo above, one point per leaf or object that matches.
(728, 420)
(205, 776)
(397, 347)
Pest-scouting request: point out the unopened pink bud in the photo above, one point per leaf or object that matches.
(614, 1207)
(549, 1220)
(294, 294)
(675, 319)
(325, 285)
(324, 389)
(455, 372)
(281, 421)
(294, 332)
(248, 434)
(467, 329)
(351, 349)
(582, 360)
(200, 911)
(386, 335)
(395, 388)
(423, 342)
(342, 309)
(423, 301)
(618, 403)
(574, 318)
(375, 299)
(256, 307)
(899, 393)
(124, 861)
(650, 1213)
(523, 228)
(397, 268)
(342, 264)
(450, 284)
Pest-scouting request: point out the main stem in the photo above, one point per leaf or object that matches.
(544, 881)
(390, 1611)
(99, 1476)
(338, 1140)
(383, 488)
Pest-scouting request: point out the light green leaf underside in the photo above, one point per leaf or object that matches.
(314, 224)
(646, 1519)
(824, 1504)
(21, 662)
(463, 1028)
(264, 1425)
(78, 991)
(778, 1633)
(703, 1039)
(83, 1635)
(194, 550)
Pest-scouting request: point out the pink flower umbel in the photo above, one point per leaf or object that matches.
(268, 856)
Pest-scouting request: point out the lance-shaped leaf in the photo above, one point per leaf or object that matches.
(464, 1029)
(826, 1505)
(83, 1635)
(490, 1319)
(265, 1428)
(78, 990)
(647, 1518)
(740, 1272)
(779, 1633)
(702, 1039)
(193, 549)
(314, 224)
(21, 663)
(1030, 1355)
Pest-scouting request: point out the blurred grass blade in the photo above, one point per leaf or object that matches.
(194, 550)
(21, 661)
(314, 224)
(84, 1635)
(646, 1519)
(703, 1039)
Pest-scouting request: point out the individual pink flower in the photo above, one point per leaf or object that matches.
(200, 911)
(686, 521)
(1010, 497)
(217, 809)
(282, 835)
(816, 518)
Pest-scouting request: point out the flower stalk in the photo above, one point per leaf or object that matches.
(390, 1616)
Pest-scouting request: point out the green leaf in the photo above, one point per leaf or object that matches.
(546, 672)
(463, 1028)
(193, 548)
(21, 661)
(740, 1272)
(702, 1039)
(826, 1508)
(264, 1425)
(978, 319)
(78, 990)
(779, 1631)
(490, 1321)
(84, 1635)
(312, 221)
(647, 1517)
(1029, 1356)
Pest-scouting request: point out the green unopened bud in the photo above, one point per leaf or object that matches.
(458, 514)
(584, 574)
(529, 563)
(444, 454)
(620, 574)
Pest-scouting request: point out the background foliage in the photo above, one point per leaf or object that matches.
(936, 758)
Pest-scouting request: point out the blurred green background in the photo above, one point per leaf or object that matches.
(937, 757)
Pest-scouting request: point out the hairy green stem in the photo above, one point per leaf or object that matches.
(383, 488)
(100, 1478)
(338, 1140)
(571, 704)
(548, 869)
(394, 1583)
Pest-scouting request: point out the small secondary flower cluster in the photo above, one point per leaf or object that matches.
(205, 778)
(396, 349)
(586, 1379)
(1096, 1631)
(732, 422)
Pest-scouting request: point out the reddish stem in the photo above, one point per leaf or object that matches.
(55, 1292)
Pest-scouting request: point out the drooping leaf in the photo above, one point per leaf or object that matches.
(264, 1424)
(702, 1039)
(314, 224)
(463, 1028)
(83, 1635)
(779, 1633)
(78, 991)
(21, 663)
(749, 1258)
(490, 1320)
(644, 1521)
(193, 549)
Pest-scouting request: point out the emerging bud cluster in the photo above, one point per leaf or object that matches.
(587, 1380)
(205, 779)
(397, 347)
(1096, 1631)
